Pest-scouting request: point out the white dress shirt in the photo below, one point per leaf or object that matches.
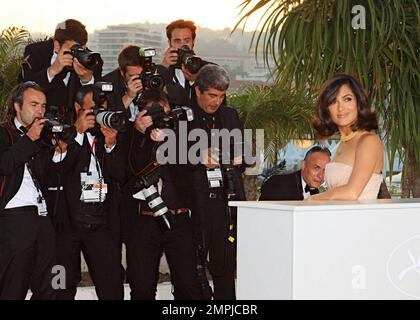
(134, 110)
(79, 139)
(181, 78)
(27, 194)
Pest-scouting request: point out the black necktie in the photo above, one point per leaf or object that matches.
(311, 190)
(23, 129)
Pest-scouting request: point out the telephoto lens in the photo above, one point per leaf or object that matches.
(115, 120)
(187, 57)
(158, 206)
(90, 60)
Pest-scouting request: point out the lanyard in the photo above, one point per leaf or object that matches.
(36, 183)
(93, 145)
(93, 153)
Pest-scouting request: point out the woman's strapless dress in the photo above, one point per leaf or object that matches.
(338, 174)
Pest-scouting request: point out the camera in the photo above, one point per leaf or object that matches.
(232, 185)
(144, 189)
(187, 57)
(55, 127)
(89, 59)
(151, 79)
(150, 76)
(53, 123)
(110, 119)
(170, 120)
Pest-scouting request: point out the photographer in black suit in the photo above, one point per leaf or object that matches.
(126, 81)
(150, 235)
(179, 78)
(214, 178)
(50, 64)
(301, 184)
(27, 252)
(91, 165)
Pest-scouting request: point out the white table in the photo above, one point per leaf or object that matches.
(328, 250)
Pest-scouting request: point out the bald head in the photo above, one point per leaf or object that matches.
(313, 168)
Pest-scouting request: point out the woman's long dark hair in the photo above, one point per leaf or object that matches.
(324, 125)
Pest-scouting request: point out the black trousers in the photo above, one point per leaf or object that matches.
(222, 253)
(27, 255)
(103, 257)
(145, 245)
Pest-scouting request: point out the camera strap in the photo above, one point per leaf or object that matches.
(40, 201)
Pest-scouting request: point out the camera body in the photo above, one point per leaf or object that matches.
(54, 123)
(89, 59)
(111, 119)
(162, 120)
(231, 175)
(55, 127)
(150, 76)
(187, 58)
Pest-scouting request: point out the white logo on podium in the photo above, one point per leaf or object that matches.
(403, 267)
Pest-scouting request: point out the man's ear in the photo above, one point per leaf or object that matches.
(57, 46)
(302, 165)
(122, 73)
(17, 107)
(197, 92)
(77, 107)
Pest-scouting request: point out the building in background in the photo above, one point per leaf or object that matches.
(109, 42)
(230, 51)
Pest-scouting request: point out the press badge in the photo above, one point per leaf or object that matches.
(42, 206)
(93, 188)
(215, 178)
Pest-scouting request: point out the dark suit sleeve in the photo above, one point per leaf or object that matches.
(281, 188)
(115, 162)
(141, 152)
(115, 102)
(15, 156)
(34, 68)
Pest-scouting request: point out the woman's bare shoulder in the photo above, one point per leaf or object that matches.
(370, 139)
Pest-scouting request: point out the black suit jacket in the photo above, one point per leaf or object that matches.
(37, 59)
(13, 158)
(226, 118)
(115, 102)
(177, 94)
(76, 161)
(283, 187)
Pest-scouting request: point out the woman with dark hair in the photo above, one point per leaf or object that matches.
(355, 171)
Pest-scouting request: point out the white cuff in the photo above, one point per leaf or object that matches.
(91, 81)
(109, 150)
(79, 138)
(49, 78)
(134, 110)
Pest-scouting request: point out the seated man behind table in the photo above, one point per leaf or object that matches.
(301, 184)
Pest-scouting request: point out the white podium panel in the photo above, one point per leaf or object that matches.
(328, 250)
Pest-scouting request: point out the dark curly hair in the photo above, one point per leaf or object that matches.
(17, 95)
(71, 29)
(324, 125)
(129, 56)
